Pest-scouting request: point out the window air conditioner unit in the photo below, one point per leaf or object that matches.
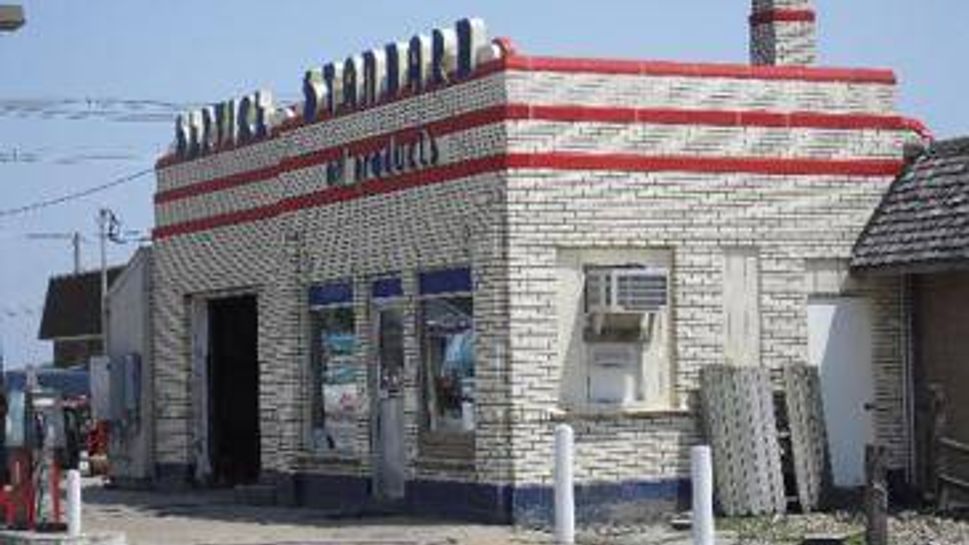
(625, 290)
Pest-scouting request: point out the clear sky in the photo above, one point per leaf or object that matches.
(88, 90)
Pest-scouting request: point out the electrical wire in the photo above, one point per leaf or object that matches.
(10, 212)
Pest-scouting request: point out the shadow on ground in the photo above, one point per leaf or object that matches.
(222, 505)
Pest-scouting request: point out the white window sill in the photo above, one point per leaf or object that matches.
(591, 412)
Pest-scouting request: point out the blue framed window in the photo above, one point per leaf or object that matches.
(387, 288)
(445, 281)
(331, 293)
(335, 374)
(446, 325)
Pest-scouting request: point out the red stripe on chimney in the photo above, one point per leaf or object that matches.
(783, 16)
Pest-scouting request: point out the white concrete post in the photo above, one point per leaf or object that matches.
(701, 470)
(564, 488)
(73, 503)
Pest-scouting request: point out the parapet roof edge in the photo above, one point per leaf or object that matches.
(514, 61)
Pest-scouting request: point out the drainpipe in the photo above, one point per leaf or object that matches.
(908, 364)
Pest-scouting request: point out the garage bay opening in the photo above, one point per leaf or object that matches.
(233, 387)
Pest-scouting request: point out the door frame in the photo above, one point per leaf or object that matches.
(215, 438)
(868, 408)
(197, 308)
(199, 385)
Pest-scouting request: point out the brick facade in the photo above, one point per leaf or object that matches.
(538, 156)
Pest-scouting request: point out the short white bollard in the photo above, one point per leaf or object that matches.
(701, 470)
(564, 488)
(73, 503)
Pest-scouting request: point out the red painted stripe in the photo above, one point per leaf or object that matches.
(478, 118)
(700, 70)
(718, 165)
(783, 16)
(515, 62)
(218, 184)
(560, 113)
(556, 161)
(918, 128)
(339, 194)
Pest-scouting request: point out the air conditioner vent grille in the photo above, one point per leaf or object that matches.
(626, 289)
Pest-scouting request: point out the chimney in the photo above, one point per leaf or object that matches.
(783, 33)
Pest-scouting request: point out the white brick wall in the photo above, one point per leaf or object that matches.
(788, 218)
(632, 91)
(508, 226)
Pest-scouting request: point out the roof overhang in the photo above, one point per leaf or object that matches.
(914, 267)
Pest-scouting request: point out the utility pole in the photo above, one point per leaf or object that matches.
(104, 219)
(75, 237)
(3, 366)
(11, 17)
(76, 242)
(109, 230)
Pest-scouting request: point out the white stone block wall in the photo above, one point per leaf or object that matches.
(508, 226)
(788, 218)
(280, 257)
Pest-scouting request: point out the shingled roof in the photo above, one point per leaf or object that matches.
(73, 305)
(922, 222)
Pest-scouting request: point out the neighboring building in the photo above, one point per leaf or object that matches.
(400, 293)
(128, 406)
(72, 317)
(919, 239)
(71, 383)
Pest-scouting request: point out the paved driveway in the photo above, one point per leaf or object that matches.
(210, 517)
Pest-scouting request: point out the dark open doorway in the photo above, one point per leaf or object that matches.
(233, 390)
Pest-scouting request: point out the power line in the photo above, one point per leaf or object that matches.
(73, 196)
(93, 108)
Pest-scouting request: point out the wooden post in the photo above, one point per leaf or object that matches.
(876, 496)
(936, 433)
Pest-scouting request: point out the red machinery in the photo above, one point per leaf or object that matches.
(35, 447)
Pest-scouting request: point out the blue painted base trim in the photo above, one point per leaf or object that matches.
(531, 505)
(534, 505)
(332, 492)
(173, 476)
(478, 502)
(604, 502)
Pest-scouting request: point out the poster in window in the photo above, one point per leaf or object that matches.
(337, 379)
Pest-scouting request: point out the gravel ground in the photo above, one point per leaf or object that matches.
(904, 528)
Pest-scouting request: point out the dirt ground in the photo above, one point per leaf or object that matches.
(210, 517)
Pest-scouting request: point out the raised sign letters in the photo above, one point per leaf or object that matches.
(401, 154)
(231, 122)
(367, 79)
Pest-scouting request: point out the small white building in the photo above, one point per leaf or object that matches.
(393, 291)
(124, 387)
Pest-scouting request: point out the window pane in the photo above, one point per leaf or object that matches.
(447, 328)
(335, 378)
